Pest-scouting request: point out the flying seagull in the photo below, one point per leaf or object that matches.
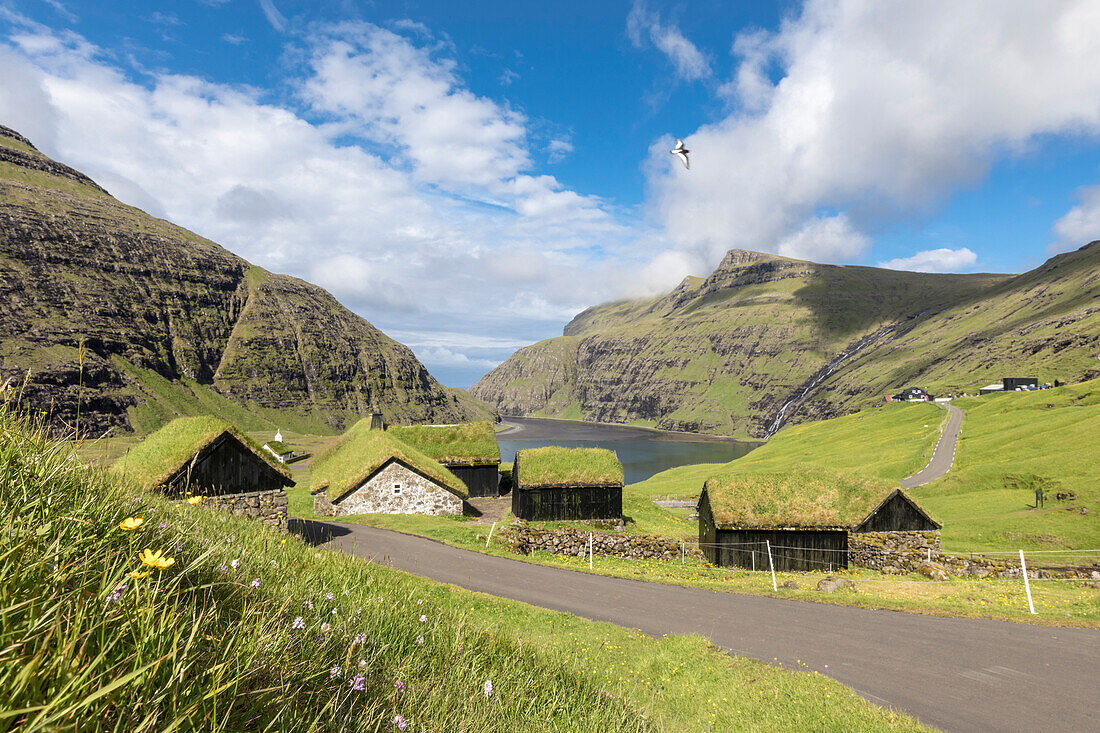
(681, 152)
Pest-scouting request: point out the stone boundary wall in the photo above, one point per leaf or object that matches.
(898, 553)
(267, 506)
(572, 541)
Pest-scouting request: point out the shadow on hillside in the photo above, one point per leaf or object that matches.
(314, 532)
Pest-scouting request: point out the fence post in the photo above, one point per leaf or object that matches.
(490, 534)
(770, 565)
(1027, 585)
(589, 550)
(753, 560)
(681, 552)
(929, 555)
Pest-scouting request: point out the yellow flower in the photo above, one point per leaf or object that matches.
(195, 500)
(139, 574)
(130, 523)
(155, 559)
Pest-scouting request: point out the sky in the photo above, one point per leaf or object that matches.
(469, 179)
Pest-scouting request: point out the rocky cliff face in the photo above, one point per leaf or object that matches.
(159, 307)
(765, 339)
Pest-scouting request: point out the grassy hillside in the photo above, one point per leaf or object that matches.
(137, 321)
(725, 353)
(1010, 442)
(247, 629)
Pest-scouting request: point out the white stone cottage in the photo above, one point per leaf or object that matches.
(370, 472)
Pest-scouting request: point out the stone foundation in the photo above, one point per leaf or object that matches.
(267, 506)
(571, 541)
(393, 490)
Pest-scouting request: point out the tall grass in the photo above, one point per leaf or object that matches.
(246, 630)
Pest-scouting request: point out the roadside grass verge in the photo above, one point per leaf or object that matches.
(248, 629)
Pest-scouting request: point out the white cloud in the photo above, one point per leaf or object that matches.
(1081, 224)
(823, 239)
(645, 27)
(558, 149)
(880, 112)
(934, 260)
(274, 17)
(411, 200)
(234, 38)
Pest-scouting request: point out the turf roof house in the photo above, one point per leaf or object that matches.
(555, 484)
(470, 451)
(808, 517)
(372, 472)
(207, 456)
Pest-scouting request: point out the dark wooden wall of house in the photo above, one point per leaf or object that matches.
(707, 535)
(560, 503)
(479, 480)
(792, 549)
(897, 515)
(227, 467)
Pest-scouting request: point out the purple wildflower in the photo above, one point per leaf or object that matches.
(488, 689)
(255, 582)
(360, 638)
(223, 568)
(298, 623)
(358, 682)
(319, 638)
(335, 672)
(328, 596)
(419, 601)
(420, 640)
(399, 685)
(324, 628)
(334, 612)
(423, 618)
(400, 722)
(308, 605)
(115, 596)
(234, 563)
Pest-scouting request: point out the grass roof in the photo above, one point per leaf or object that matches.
(163, 453)
(360, 451)
(468, 444)
(794, 498)
(557, 466)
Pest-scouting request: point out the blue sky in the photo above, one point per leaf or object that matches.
(468, 180)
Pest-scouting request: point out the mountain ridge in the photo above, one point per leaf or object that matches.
(153, 301)
(764, 339)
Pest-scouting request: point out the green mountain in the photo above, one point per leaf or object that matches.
(766, 340)
(173, 324)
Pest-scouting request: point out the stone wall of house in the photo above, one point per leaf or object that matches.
(415, 495)
(523, 539)
(267, 506)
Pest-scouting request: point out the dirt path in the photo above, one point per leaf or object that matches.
(943, 455)
(957, 674)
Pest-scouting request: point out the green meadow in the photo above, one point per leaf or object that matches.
(229, 625)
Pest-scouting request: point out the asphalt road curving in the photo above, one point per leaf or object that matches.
(956, 674)
(943, 455)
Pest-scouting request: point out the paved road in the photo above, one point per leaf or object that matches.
(957, 674)
(943, 455)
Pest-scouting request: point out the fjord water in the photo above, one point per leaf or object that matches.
(642, 452)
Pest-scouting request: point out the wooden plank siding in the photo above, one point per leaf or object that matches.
(897, 514)
(792, 549)
(225, 466)
(567, 503)
(479, 480)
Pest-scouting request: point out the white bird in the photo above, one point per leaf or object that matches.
(682, 153)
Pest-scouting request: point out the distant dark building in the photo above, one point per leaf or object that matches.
(912, 394)
(805, 517)
(565, 484)
(1011, 384)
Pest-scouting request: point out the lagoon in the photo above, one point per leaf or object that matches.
(642, 451)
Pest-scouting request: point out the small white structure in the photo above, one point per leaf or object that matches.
(396, 488)
(278, 436)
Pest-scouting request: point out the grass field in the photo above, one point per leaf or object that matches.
(247, 629)
(979, 513)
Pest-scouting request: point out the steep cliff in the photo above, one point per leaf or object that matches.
(766, 339)
(174, 324)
